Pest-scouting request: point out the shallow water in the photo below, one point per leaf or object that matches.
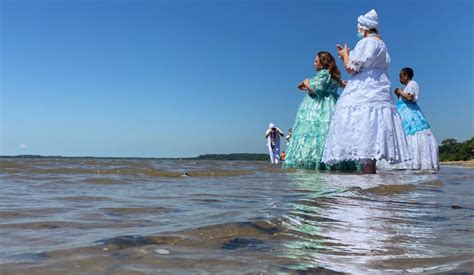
(172, 216)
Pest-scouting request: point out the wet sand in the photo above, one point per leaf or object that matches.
(463, 163)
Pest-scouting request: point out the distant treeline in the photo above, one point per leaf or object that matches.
(452, 150)
(31, 156)
(233, 157)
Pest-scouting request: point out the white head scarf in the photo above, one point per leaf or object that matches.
(271, 125)
(369, 20)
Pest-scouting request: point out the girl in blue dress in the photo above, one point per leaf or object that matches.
(421, 141)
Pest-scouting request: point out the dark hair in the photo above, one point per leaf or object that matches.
(409, 72)
(373, 30)
(328, 62)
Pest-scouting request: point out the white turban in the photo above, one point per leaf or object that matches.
(369, 21)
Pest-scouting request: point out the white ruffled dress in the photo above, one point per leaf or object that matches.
(365, 124)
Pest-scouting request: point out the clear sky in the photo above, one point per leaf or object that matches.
(181, 78)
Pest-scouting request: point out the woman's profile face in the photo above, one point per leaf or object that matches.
(404, 77)
(317, 64)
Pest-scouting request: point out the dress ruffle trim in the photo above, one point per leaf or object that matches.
(424, 151)
(375, 132)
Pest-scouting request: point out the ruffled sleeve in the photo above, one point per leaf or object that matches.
(319, 84)
(363, 50)
(412, 89)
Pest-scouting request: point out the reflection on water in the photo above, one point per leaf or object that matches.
(149, 216)
(374, 223)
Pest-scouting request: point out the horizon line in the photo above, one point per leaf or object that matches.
(60, 156)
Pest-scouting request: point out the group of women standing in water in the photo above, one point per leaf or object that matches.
(362, 127)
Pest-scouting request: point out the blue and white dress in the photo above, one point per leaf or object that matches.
(421, 141)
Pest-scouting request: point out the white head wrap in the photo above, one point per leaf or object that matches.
(368, 21)
(271, 125)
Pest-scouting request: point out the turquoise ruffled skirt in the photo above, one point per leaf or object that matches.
(413, 119)
(311, 126)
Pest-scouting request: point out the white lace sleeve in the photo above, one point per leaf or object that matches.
(412, 89)
(363, 50)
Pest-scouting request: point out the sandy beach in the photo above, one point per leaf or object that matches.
(464, 163)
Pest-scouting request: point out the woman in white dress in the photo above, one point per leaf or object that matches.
(366, 126)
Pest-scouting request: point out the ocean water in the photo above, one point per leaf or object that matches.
(126, 216)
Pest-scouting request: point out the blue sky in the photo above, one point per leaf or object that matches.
(183, 78)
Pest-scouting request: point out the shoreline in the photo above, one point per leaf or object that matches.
(463, 163)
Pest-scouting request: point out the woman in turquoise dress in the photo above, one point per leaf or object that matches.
(314, 116)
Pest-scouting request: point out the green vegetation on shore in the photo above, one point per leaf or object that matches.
(234, 156)
(452, 150)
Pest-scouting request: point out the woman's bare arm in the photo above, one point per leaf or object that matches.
(406, 96)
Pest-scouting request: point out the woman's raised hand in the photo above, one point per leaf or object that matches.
(306, 83)
(301, 86)
(342, 51)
